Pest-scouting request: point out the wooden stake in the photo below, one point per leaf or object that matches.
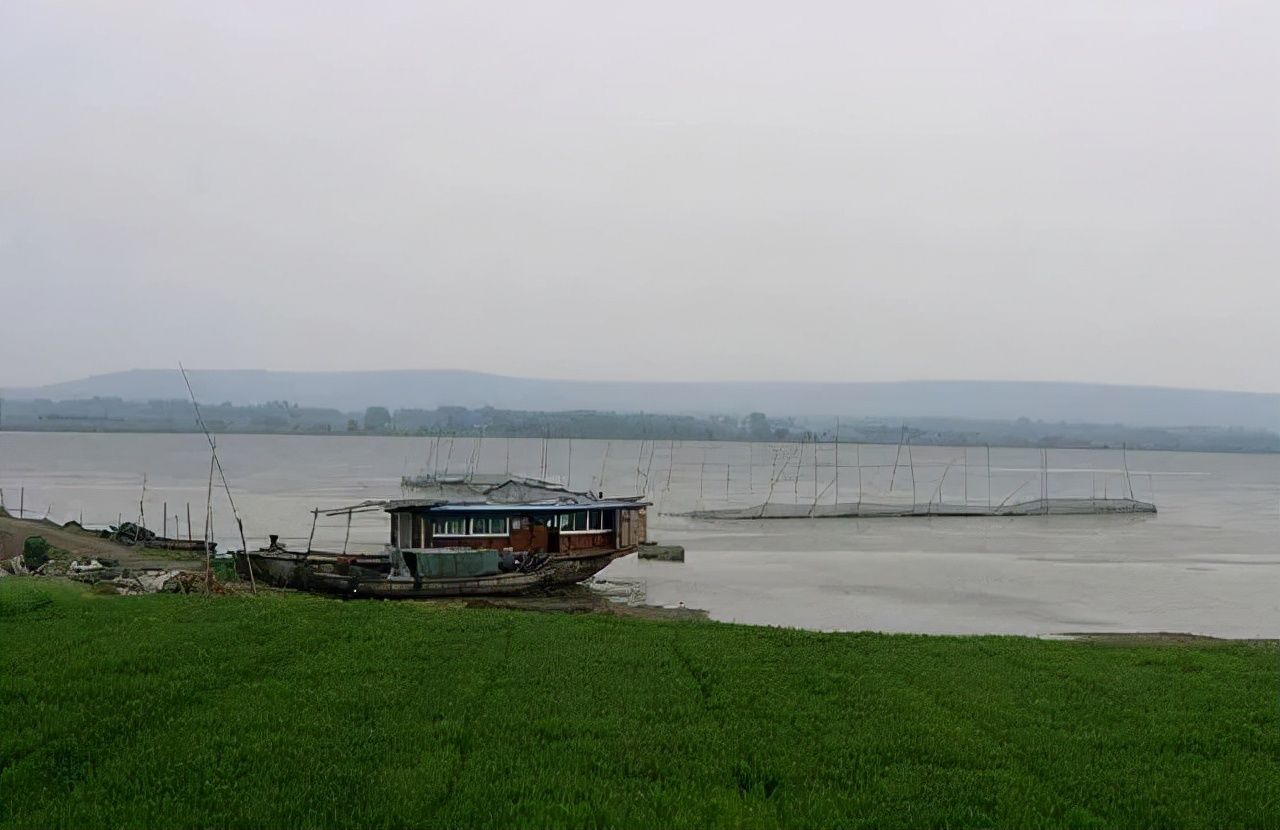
(837, 497)
(1128, 482)
(858, 450)
(988, 476)
(815, 473)
(142, 515)
(315, 515)
(208, 530)
(897, 453)
(911, 468)
(671, 460)
(798, 457)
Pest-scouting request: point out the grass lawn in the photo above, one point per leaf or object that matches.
(291, 710)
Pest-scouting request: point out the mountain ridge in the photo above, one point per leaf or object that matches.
(429, 388)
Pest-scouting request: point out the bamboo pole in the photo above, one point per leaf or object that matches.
(988, 477)
(315, 516)
(208, 530)
(188, 521)
(815, 474)
(911, 468)
(213, 451)
(1045, 495)
(1124, 453)
(858, 449)
(142, 514)
(639, 459)
(897, 453)
(795, 483)
(836, 500)
(648, 469)
(347, 538)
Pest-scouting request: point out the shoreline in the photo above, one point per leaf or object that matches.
(917, 442)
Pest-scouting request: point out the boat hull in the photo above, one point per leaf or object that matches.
(368, 576)
(189, 545)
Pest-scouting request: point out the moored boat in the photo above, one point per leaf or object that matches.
(190, 545)
(507, 541)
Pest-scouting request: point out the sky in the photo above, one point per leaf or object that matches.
(840, 191)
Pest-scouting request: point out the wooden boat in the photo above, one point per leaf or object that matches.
(191, 545)
(132, 534)
(442, 547)
(332, 574)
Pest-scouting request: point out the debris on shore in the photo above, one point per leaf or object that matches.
(660, 553)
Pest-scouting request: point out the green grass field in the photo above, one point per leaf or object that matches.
(303, 711)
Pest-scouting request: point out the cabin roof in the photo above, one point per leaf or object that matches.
(487, 489)
(439, 506)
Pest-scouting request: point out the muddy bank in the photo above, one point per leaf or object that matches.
(82, 544)
(1161, 638)
(614, 599)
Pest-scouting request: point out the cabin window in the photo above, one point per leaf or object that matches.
(582, 521)
(489, 526)
(449, 527)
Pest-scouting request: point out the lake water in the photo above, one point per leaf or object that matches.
(1208, 563)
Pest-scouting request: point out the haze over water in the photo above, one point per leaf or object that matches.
(1208, 563)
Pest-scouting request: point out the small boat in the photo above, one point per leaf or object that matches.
(191, 545)
(132, 534)
(504, 542)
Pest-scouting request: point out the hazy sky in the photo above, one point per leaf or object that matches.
(730, 190)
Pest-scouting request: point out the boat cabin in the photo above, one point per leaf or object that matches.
(535, 527)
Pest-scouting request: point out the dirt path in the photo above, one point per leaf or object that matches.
(81, 543)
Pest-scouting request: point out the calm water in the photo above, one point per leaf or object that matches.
(1209, 563)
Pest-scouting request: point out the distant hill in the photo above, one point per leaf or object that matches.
(429, 388)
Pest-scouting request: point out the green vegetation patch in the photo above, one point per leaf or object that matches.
(291, 710)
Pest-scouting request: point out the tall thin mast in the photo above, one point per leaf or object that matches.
(836, 500)
(213, 450)
(857, 448)
(988, 476)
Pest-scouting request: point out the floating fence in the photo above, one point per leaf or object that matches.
(727, 480)
(855, 510)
